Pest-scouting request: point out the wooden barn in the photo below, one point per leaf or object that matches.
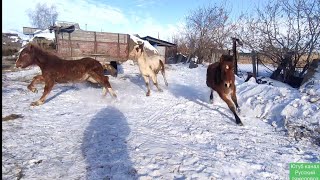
(164, 48)
(73, 43)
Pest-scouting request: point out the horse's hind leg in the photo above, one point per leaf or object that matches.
(146, 80)
(231, 107)
(104, 82)
(164, 77)
(35, 80)
(155, 81)
(108, 87)
(163, 72)
(47, 88)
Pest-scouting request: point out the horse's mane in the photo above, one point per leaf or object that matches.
(45, 51)
(41, 50)
(218, 77)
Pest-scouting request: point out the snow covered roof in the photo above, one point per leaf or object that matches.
(160, 42)
(146, 43)
(44, 33)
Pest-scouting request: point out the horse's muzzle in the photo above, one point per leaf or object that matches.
(18, 65)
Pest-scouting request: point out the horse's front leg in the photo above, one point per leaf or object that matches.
(234, 97)
(211, 96)
(146, 80)
(231, 107)
(35, 80)
(47, 88)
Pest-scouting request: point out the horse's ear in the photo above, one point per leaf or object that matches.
(141, 45)
(31, 47)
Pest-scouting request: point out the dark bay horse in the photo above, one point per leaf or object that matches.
(220, 78)
(57, 70)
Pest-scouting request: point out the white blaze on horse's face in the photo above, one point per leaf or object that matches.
(228, 76)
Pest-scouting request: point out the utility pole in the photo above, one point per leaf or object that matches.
(234, 50)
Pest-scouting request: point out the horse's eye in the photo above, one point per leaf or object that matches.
(137, 49)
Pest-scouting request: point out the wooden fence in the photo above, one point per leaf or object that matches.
(102, 46)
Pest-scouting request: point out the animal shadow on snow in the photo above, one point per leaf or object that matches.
(135, 79)
(138, 80)
(199, 96)
(104, 146)
(67, 87)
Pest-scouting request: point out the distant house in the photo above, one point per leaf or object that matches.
(11, 43)
(166, 49)
(30, 30)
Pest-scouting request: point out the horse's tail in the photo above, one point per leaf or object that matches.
(163, 72)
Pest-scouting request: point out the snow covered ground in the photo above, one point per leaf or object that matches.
(174, 134)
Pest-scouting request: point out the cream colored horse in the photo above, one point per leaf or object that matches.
(149, 66)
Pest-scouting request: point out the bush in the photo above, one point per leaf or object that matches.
(9, 51)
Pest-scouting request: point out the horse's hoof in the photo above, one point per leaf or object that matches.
(148, 94)
(239, 123)
(34, 90)
(36, 103)
(160, 90)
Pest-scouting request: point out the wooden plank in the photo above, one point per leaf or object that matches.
(70, 45)
(82, 36)
(95, 43)
(128, 40)
(118, 46)
(111, 46)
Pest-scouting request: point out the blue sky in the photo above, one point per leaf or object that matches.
(143, 17)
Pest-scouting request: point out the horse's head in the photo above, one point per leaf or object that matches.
(137, 50)
(26, 56)
(226, 67)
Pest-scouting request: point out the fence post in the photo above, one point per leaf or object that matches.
(234, 49)
(128, 47)
(95, 43)
(118, 46)
(258, 59)
(70, 44)
(254, 65)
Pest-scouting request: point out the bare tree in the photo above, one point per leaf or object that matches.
(285, 31)
(43, 15)
(206, 29)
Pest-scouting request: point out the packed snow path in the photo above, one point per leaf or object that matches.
(175, 134)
